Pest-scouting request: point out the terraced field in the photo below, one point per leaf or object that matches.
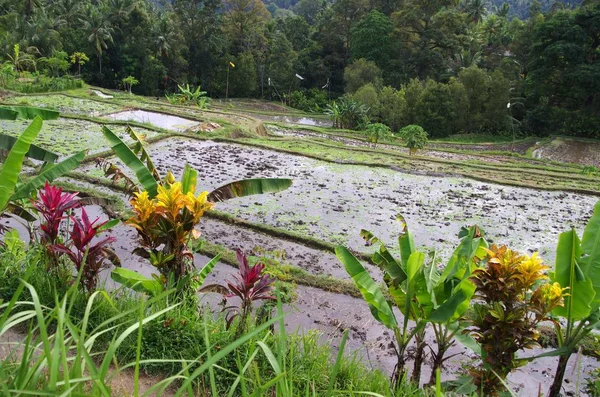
(341, 184)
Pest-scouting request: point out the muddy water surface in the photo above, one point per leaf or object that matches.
(160, 120)
(333, 202)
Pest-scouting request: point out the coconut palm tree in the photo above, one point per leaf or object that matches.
(99, 31)
(163, 32)
(475, 9)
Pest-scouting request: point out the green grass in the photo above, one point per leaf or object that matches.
(85, 343)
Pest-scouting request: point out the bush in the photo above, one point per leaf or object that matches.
(378, 132)
(414, 136)
(43, 83)
(313, 100)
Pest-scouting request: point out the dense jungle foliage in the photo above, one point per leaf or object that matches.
(449, 66)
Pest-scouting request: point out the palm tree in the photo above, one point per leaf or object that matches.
(67, 10)
(98, 30)
(163, 32)
(475, 9)
(503, 10)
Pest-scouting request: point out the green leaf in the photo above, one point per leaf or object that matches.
(383, 258)
(590, 248)
(208, 268)
(248, 187)
(581, 292)
(29, 112)
(406, 242)
(189, 179)
(380, 308)
(35, 152)
(109, 225)
(140, 150)
(447, 310)
(12, 166)
(49, 175)
(8, 114)
(145, 177)
(136, 281)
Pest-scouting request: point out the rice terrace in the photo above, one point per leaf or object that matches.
(400, 200)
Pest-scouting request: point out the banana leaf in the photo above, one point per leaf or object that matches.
(48, 175)
(189, 179)
(208, 268)
(384, 258)
(35, 152)
(20, 212)
(248, 187)
(7, 114)
(14, 162)
(406, 242)
(568, 274)
(590, 247)
(140, 150)
(379, 306)
(29, 112)
(136, 281)
(143, 174)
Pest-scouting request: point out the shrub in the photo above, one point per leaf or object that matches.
(378, 132)
(512, 299)
(414, 136)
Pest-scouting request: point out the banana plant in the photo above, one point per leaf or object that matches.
(11, 191)
(167, 210)
(577, 268)
(419, 291)
(139, 161)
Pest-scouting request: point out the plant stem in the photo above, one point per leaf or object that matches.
(559, 376)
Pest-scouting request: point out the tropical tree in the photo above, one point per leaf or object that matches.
(98, 29)
(129, 82)
(80, 59)
(475, 10)
(414, 136)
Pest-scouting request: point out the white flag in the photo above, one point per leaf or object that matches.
(269, 81)
(300, 77)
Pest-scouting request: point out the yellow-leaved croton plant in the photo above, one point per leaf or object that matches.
(166, 224)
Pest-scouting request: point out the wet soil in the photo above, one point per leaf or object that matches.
(570, 151)
(517, 147)
(358, 143)
(332, 202)
(285, 251)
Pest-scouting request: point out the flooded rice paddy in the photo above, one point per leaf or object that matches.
(333, 202)
(302, 120)
(69, 136)
(67, 104)
(168, 122)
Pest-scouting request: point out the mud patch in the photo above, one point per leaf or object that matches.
(334, 201)
(284, 251)
(573, 151)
